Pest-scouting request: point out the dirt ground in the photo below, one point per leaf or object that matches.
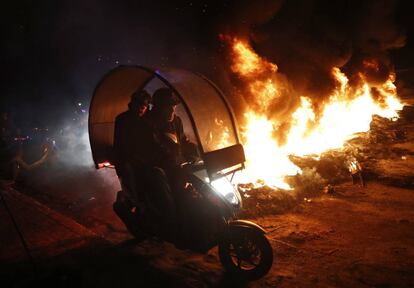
(358, 237)
(355, 237)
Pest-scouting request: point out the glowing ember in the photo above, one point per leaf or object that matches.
(349, 110)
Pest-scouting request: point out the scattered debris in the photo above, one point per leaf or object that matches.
(384, 154)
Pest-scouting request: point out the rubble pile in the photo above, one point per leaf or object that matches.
(388, 155)
(265, 200)
(385, 154)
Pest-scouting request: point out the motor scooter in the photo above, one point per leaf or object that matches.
(208, 120)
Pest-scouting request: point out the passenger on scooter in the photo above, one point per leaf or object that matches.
(132, 138)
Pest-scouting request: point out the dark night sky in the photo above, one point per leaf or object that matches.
(55, 52)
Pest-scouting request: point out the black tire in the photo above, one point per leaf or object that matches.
(239, 247)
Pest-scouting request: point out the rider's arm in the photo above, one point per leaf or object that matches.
(189, 149)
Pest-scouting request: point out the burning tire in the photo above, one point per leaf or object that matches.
(246, 253)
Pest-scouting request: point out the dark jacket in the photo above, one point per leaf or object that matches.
(171, 140)
(134, 141)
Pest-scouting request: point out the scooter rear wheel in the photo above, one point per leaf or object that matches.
(246, 253)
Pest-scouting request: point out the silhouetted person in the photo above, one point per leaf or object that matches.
(10, 148)
(176, 149)
(169, 132)
(132, 136)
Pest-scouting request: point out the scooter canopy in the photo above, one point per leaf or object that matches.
(207, 117)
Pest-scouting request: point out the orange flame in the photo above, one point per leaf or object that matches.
(247, 62)
(348, 111)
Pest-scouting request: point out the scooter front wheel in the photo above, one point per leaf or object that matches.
(246, 253)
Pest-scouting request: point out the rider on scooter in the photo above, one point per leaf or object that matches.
(131, 131)
(177, 148)
(169, 133)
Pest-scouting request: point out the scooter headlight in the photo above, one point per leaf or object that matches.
(224, 187)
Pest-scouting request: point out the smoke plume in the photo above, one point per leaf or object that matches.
(306, 39)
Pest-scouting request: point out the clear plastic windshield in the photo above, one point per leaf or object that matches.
(213, 121)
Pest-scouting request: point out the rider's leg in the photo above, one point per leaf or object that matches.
(129, 182)
(160, 199)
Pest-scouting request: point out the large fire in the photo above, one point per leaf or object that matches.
(349, 110)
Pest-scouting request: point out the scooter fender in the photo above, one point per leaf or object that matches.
(246, 224)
